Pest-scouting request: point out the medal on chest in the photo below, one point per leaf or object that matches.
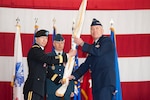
(53, 67)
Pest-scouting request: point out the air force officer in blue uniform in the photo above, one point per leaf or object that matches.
(100, 61)
(58, 44)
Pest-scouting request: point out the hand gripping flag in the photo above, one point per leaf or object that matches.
(118, 93)
(69, 66)
(18, 70)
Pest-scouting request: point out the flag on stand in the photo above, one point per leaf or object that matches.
(86, 84)
(118, 92)
(54, 33)
(35, 30)
(18, 70)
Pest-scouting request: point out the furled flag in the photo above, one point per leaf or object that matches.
(86, 85)
(18, 70)
(70, 63)
(54, 32)
(118, 92)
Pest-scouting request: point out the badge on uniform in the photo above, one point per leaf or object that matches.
(53, 67)
(44, 65)
(97, 45)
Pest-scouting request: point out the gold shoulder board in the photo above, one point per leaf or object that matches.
(35, 46)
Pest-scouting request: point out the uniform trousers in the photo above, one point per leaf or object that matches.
(33, 96)
(104, 94)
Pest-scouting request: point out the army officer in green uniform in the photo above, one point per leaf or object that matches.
(58, 44)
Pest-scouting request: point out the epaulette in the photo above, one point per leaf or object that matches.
(35, 46)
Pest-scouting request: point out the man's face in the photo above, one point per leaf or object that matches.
(96, 31)
(42, 40)
(59, 45)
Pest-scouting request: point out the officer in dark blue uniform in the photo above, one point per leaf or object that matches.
(34, 88)
(58, 44)
(100, 61)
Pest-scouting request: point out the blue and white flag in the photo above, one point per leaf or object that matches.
(77, 89)
(118, 92)
(53, 36)
(18, 70)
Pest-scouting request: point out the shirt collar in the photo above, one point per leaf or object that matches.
(57, 52)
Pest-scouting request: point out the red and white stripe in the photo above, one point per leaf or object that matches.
(132, 25)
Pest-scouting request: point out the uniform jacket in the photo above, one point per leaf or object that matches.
(101, 63)
(37, 66)
(51, 87)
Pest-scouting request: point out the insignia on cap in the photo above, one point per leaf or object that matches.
(95, 22)
(41, 33)
(58, 37)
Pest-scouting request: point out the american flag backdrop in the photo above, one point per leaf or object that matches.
(132, 27)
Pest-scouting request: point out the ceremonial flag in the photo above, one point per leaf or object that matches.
(76, 33)
(118, 92)
(53, 35)
(35, 30)
(19, 70)
(86, 85)
(77, 93)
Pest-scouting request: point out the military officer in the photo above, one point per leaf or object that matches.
(34, 88)
(100, 61)
(58, 44)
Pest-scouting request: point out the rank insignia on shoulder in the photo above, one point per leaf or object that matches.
(53, 67)
(35, 46)
(97, 46)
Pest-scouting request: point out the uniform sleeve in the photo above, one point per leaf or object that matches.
(41, 56)
(81, 70)
(52, 76)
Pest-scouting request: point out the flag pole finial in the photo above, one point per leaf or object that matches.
(36, 19)
(111, 22)
(54, 21)
(17, 20)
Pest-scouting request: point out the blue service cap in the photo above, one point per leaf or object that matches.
(58, 37)
(95, 22)
(42, 33)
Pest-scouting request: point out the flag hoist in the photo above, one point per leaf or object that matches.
(70, 64)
